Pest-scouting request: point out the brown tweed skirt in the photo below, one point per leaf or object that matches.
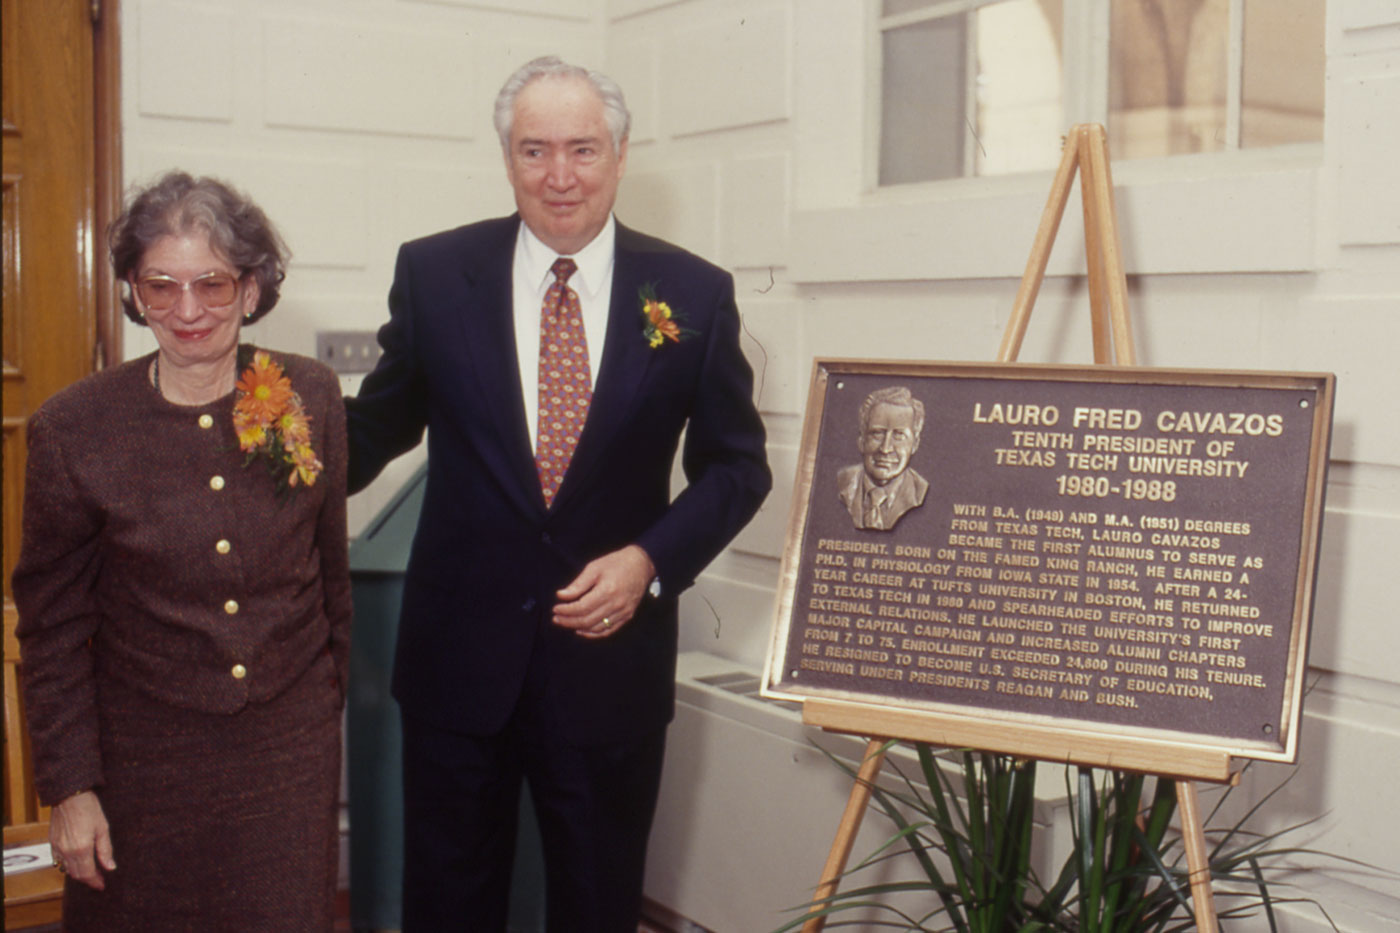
(219, 823)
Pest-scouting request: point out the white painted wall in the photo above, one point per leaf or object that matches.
(360, 123)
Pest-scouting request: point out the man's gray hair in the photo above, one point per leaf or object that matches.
(894, 395)
(551, 66)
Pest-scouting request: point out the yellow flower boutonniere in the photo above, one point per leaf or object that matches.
(660, 322)
(270, 422)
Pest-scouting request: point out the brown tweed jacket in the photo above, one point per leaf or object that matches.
(152, 555)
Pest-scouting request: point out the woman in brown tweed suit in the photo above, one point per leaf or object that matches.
(184, 595)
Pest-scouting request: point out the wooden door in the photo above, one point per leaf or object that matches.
(60, 171)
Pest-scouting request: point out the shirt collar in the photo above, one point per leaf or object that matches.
(868, 485)
(594, 261)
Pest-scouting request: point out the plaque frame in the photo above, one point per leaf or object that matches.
(1133, 747)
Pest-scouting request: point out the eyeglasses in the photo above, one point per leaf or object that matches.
(213, 291)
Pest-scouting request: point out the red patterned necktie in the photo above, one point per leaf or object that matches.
(565, 384)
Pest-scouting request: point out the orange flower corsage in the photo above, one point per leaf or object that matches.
(660, 322)
(270, 422)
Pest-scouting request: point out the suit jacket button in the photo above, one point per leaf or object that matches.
(206, 421)
(216, 483)
(544, 536)
(528, 605)
(239, 672)
(231, 607)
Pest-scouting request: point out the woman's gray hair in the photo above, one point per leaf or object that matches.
(175, 204)
(615, 111)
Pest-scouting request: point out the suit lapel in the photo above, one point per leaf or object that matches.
(488, 327)
(626, 357)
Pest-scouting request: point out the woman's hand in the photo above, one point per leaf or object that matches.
(82, 844)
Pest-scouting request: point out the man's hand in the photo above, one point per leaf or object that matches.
(605, 594)
(82, 844)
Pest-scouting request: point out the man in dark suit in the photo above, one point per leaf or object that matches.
(538, 634)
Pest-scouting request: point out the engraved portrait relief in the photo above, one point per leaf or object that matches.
(882, 487)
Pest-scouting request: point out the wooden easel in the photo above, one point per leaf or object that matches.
(1085, 150)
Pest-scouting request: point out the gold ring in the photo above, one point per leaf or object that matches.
(607, 623)
(58, 863)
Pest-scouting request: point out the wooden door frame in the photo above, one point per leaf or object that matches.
(36, 896)
(107, 156)
(96, 289)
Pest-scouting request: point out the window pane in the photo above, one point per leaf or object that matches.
(1284, 64)
(1167, 76)
(923, 101)
(926, 131)
(1020, 113)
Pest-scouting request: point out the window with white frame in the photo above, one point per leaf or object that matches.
(987, 87)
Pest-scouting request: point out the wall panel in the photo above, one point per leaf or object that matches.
(427, 198)
(319, 205)
(1340, 334)
(754, 212)
(181, 40)
(1369, 198)
(677, 203)
(635, 65)
(750, 86)
(564, 9)
(368, 78)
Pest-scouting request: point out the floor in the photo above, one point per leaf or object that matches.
(342, 918)
(342, 912)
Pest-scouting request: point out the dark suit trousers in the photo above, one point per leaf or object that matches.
(461, 802)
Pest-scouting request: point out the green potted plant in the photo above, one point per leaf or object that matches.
(967, 822)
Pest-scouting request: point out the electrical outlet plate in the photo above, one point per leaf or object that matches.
(348, 351)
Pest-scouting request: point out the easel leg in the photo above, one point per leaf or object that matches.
(1094, 218)
(1197, 858)
(1085, 152)
(1096, 183)
(1040, 250)
(846, 831)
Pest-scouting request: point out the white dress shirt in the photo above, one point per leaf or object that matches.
(531, 277)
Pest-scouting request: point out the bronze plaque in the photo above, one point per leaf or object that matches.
(1125, 550)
